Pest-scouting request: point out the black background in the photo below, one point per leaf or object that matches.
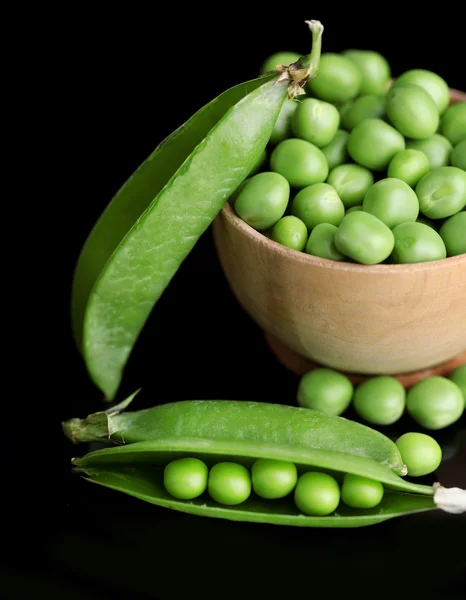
(117, 82)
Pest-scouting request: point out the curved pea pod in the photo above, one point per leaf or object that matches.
(235, 422)
(137, 470)
(145, 233)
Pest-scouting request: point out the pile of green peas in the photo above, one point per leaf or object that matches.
(230, 484)
(360, 171)
(434, 403)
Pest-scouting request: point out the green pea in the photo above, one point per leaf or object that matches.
(351, 183)
(432, 83)
(229, 483)
(453, 233)
(354, 208)
(300, 162)
(458, 376)
(370, 106)
(291, 232)
(373, 143)
(321, 242)
(364, 238)
(392, 201)
(409, 165)
(374, 68)
(272, 479)
(318, 203)
(315, 121)
(361, 492)
(263, 200)
(325, 390)
(416, 243)
(380, 400)
(435, 402)
(317, 494)
(338, 79)
(442, 192)
(282, 129)
(436, 147)
(458, 156)
(412, 111)
(185, 478)
(420, 453)
(453, 124)
(259, 164)
(279, 58)
(336, 151)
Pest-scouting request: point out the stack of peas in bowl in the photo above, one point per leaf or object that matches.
(361, 169)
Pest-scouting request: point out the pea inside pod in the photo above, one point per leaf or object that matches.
(137, 469)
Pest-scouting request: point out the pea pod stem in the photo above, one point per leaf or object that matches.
(450, 500)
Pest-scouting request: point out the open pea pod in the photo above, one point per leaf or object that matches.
(235, 421)
(156, 218)
(137, 470)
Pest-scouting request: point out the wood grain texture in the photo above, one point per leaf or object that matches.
(361, 319)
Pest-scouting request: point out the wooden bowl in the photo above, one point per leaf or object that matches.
(369, 320)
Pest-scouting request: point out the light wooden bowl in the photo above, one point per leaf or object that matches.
(370, 320)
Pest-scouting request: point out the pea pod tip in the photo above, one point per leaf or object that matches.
(450, 500)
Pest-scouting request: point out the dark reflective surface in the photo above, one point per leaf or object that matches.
(73, 540)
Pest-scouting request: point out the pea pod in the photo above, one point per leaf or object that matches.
(136, 468)
(233, 421)
(155, 219)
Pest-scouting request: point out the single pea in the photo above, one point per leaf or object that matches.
(458, 156)
(354, 208)
(336, 151)
(435, 402)
(392, 201)
(434, 224)
(185, 478)
(436, 147)
(361, 492)
(416, 243)
(370, 106)
(325, 390)
(300, 162)
(263, 200)
(409, 165)
(272, 479)
(317, 494)
(453, 233)
(318, 203)
(236, 193)
(279, 58)
(315, 121)
(412, 111)
(364, 238)
(351, 183)
(338, 79)
(380, 400)
(458, 376)
(375, 70)
(291, 232)
(420, 453)
(229, 483)
(442, 192)
(432, 83)
(321, 242)
(453, 124)
(373, 143)
(282, 129)
(259, 163)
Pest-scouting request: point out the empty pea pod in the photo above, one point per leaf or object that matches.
(158, 215)
(240, 432)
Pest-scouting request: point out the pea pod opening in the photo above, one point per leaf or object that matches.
(155, 219)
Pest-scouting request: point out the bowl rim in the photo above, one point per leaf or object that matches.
(242, 227)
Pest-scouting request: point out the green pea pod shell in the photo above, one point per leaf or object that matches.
(235, 421)
(156, 218)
